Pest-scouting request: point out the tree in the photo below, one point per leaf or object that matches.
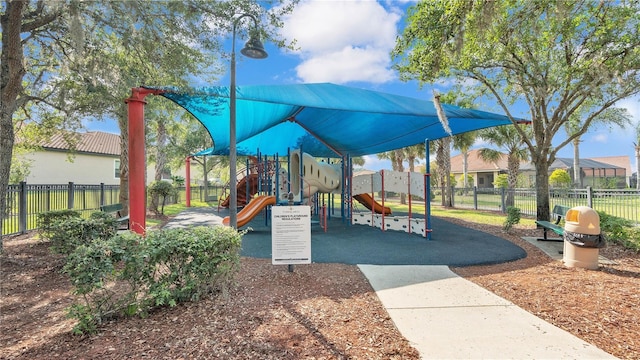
(555, 58)
(412, 153)
(63, 61)
(637, 148)
(560, 178)
(397, 160)
(463, 142)
(612, 116)
(502, 182)
(509, 139)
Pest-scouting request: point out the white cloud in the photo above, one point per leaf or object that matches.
(343, 41)
(600, 138)
(371, 162)
(633, 107)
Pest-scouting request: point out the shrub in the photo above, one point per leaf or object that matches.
(620, 231)
(560, 178)
(128, 275)
(513, 217)
(69, 233)
(159, 189)
(46, 220)
(501, 181)
(188, 263)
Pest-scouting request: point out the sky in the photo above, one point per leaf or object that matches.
(349, 43)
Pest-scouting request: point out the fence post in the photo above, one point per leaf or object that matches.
(503, 202)
(70, 194)
(22, 208)
(475, 197)
(453, 200)
(590, 197)
(102, 194)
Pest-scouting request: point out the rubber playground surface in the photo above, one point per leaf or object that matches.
(450, 245)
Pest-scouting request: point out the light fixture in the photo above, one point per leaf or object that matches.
(255, 50)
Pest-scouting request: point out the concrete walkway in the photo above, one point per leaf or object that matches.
(441, 314)
(447, 317)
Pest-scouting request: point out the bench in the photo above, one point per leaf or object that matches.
(116, 209)
(559, 211)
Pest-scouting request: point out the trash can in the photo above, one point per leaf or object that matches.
(582, 238)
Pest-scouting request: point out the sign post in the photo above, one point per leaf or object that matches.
(291, 235)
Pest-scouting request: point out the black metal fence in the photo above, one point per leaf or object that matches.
(623, 203)
(26, 201)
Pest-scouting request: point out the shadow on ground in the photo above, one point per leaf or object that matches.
(451, 245)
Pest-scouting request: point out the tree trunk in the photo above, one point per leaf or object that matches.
(577, 179)
(206, 178)
(513, 165)
(465, 168)
(638, 166)
(12, 72)
(447, 171)
(399, 166)
(124, 164)
(161, 162)
(542, 190)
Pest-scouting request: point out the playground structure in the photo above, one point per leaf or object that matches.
(266, 182)
(364, 188)
(252, 209)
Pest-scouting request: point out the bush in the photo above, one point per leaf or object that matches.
(159, 189)
(620, 231)
(513, 217)
(129, 275)
(67, 234)
(46, 220)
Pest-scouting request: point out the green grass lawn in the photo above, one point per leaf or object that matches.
(476, 216)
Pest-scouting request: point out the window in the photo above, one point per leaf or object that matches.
(116, 166)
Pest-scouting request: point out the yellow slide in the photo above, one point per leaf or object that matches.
(250, 211)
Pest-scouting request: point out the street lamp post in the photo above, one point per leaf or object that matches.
(255, 50)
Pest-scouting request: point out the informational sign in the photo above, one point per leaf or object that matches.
(290, 235)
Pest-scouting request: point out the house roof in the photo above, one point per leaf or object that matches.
(93, 142)
(475, 163)
(325, 120)
(566, 163)
(619, 161)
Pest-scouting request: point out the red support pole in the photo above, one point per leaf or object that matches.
(187, 182)
(409, 196)
(137, 167)
(382, 176)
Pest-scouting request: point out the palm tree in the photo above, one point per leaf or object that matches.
(397, 158)
(610, 117)
(411, 153)
(443, 161)
(637, 147)
(463, 142)
(508, 138)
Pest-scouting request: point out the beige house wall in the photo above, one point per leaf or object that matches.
(54, 167)
(196, 174)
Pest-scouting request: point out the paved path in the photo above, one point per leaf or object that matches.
(447, 317)
(443, 315)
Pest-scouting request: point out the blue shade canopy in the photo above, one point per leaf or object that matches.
(325, 120)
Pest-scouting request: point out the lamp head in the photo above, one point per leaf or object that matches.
(254, 48)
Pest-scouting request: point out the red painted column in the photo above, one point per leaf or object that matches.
(187, 182)
(137, 168)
